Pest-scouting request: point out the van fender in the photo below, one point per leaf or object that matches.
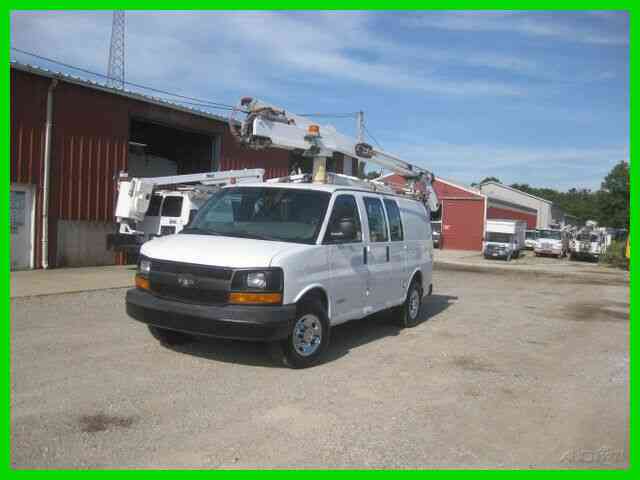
(314, 286)
(412, 276)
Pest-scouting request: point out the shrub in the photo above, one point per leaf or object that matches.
(615, 255)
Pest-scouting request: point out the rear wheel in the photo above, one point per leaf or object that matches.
(169, 337)
(309, 336)
(411, 308)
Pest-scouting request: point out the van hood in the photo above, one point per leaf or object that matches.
(215, 251)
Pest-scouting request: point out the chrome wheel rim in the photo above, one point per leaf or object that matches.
(307, 335)
(414, 303)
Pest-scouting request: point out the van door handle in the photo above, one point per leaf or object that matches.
(388, 255)
(364, 255)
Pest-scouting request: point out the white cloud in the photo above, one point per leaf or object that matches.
(548, 25)
(251, 51)
(545, 167)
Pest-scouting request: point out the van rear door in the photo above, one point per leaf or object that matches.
(397, 252)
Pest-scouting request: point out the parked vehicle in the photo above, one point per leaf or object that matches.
(286, 260)
(504, 239)
(436, 234)
(530, 238)
(552, 242)
(149, 207)
(588, 245)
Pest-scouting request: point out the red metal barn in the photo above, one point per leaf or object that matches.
(95, 133)
(501, 210)
(462, 213)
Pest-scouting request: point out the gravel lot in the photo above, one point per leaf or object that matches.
(537, 376)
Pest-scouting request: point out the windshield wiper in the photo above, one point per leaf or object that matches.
(198, 231)
(254, 236)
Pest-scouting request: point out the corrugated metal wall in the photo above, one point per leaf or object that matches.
(28, 117)
(90, 146)
(233, 157)
(462, 223)
(498, 213)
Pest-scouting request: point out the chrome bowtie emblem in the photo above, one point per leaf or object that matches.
(186, 281)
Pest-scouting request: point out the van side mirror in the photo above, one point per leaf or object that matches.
(344, 230)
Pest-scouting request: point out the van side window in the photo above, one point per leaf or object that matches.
(344, 209)
(377, 220)
(395, 222)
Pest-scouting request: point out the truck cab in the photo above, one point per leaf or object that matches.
(588, 245)
(169, 212)
(530, 239)
(552, 242)
(284, 263)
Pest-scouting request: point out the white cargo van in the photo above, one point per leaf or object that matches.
(504, 238)
(285, 262)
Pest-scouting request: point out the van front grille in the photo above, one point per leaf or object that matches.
(189, 295)
(190, 283)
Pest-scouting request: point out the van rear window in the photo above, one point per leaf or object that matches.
(395, 221)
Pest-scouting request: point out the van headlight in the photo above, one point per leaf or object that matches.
(268, 279)
(256, 280)
(257, 286)
(145, 266)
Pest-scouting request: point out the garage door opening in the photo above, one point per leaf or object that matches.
(157, 150)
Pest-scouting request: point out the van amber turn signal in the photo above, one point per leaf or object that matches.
(255, 298)
(142, 282)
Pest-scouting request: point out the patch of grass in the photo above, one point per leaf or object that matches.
(615, 255)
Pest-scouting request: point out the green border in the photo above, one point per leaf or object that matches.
(326, 5)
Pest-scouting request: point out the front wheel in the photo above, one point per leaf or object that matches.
(411, 308)
(308, 338)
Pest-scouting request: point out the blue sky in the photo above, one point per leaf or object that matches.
(538, 98)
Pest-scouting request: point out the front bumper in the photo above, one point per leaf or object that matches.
(496, 253)
(250, 322)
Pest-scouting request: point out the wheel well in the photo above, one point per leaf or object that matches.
(417, 277)
(316, 294)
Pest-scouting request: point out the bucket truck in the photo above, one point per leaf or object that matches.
(148, 207)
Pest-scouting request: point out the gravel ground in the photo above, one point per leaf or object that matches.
(537, 376)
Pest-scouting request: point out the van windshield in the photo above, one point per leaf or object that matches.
(499, 237)
(278, 214)
(531, 235)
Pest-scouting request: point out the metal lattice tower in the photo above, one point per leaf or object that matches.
(115, 70)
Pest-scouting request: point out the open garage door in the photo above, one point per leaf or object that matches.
(157, 150)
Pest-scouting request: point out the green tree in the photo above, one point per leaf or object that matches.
(490, 179)
(614, 197)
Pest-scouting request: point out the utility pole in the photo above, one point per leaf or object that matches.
(360, 126)
(115, 69)
(360, 129)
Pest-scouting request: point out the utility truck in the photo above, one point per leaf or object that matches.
(504, 239)
(588, 244)
(286, 260)
(552, 241)
(151, 207)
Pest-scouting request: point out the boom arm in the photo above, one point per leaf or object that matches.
(134, 194)
(269, 126)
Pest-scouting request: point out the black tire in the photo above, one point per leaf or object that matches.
(292, 347)
(409, 316)
(169, 337)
